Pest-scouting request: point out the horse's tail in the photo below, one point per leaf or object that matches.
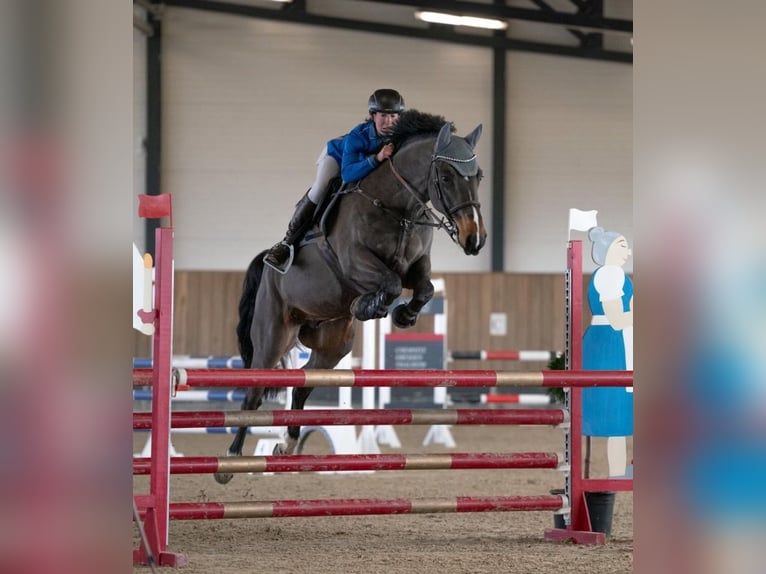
(247, 308)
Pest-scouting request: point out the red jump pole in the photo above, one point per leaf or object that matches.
(354, 462)
(502, 355)
(331, 417)
(397, 378)
(359, 507)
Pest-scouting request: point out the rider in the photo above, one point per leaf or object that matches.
(353, 156)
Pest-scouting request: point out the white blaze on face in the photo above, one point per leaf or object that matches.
(478, 227)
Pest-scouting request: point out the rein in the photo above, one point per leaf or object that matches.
(431, 220)
(447, 223)
(403, 221)
(441, 223)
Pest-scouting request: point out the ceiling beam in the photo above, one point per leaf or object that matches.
(576, 19)
(545, 7)
(440, 34)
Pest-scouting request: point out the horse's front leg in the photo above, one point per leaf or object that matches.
(419, 280)
(374, 304)
(300, 395)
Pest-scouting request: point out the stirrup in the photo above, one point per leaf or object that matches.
(287, 264)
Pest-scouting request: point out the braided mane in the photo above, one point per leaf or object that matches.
(414, 123)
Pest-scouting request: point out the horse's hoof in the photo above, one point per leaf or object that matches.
(279, 448)
(223, 477)
(368, 306)
(360, 308)
(402, 317)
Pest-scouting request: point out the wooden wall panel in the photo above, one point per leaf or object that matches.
(206, 314)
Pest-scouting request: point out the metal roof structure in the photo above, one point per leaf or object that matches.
(592, 29)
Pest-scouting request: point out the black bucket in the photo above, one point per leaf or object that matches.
(558, 519)
(600, 508)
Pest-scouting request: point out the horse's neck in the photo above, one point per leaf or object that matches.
(411, 164)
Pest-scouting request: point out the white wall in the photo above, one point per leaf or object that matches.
(248, 104)
(570, 144)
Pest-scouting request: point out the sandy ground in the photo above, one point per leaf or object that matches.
(497, 542)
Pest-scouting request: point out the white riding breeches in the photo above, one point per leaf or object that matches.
(327, 168)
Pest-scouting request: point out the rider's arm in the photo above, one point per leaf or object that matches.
(358, 158)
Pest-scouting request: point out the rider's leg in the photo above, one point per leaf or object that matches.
(327, 168)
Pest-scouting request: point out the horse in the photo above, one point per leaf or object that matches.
(376, 241)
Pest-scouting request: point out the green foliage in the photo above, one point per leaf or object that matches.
(557, 364)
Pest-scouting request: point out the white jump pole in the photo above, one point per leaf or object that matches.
(383, 434)
(440, 434)
(437, 434)
(368, 439)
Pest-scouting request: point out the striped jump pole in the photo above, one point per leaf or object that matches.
(143, 377)
(354, 462)
(503, 355)
(362, 506)
(188, 362)
(214, 395)
(186, 378)
(329, 417)
(523, 399)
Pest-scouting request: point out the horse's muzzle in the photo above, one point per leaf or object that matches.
(473, 245)
(471, 233)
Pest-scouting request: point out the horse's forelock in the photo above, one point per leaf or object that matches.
(413, 123)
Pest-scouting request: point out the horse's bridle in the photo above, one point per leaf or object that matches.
(449, 211)
(436, 195)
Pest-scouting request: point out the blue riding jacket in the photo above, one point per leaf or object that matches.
(355, 152)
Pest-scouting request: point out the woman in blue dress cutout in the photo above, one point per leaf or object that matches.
(608, 346)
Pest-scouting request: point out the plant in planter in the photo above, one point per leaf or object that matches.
(558, 363)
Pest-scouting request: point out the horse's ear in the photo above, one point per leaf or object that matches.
(473, 138)
(443, 138)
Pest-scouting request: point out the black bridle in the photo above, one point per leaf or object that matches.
(436, 195)
(438, 201)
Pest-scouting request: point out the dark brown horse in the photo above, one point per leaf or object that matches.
(377, 242)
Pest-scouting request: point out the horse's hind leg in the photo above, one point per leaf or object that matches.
(271, 338)
(329, 343)
(252, 401)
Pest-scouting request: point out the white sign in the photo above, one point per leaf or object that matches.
(498, 324)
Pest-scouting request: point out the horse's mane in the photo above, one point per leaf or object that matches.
(413, 123)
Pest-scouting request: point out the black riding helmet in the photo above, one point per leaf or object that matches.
(385, 100)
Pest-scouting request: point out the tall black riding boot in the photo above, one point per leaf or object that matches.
(279, 255)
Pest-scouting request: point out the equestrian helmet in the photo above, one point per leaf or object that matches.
(385, 100)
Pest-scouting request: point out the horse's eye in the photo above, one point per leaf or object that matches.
(445, 179)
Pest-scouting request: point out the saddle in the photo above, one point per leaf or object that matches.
(324, 219)
(324, 215)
